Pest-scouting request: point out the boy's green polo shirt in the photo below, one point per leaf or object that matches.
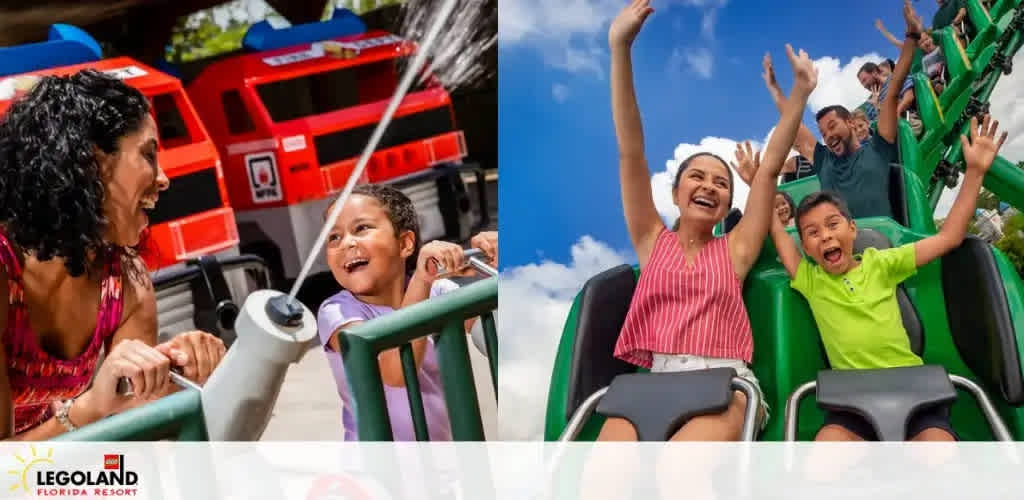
(857, 313)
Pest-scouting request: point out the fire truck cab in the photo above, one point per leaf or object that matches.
(291, 115)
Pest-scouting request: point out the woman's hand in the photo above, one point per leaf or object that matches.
(769, 72)
(627, 24)
(914, 22)
(146, 367)
(197, 353)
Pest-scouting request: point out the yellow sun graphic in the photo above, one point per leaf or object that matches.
(22, 472)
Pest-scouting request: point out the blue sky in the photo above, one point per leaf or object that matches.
(558, 159)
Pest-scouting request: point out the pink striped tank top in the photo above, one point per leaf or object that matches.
(38, 378)
(681, 308)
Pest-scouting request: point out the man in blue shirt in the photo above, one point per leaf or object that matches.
(873, 79)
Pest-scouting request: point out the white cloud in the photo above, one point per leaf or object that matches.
(661, 182)
(837, 84)
(570, 34)
(1007, 106)
(707, 24)
(538, 297)
(700, 61)
(566, 33)
(560, 92)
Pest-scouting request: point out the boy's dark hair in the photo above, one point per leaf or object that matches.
(51, 187)
(868, 67)
(401, 214)
(890, 63)
(814, 199)
(686, 163)
(841, 112)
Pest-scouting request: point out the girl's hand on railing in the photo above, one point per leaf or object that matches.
(487, 242)
(439, 258)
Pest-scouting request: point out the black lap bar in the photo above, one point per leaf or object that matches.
(658, 404)
(886, 398)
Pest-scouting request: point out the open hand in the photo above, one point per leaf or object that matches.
(804, 72)
(769, 71)
(627, 24)
(879, 25)
(914, 23)
(981, 150)
(876, 92)
(747, 162)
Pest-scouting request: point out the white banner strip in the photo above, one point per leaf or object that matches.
(513, 471)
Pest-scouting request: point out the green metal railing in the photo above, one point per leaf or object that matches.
(178, 416)
(446, 314)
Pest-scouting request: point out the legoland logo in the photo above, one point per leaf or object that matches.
(38, 476)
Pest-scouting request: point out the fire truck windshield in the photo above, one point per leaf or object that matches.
(172, 128)
(319, 93)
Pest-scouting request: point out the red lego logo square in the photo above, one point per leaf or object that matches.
(111, 461)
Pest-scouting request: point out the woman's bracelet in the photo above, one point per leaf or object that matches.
(61, 410)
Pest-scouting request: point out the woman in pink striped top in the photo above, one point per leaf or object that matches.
(688, 311)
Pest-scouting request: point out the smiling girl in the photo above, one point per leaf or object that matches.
(374, 253)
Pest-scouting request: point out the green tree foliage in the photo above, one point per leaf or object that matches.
(1012, 243)
(987, 200)
(220, 29)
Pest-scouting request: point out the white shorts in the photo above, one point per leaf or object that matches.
(686, 362)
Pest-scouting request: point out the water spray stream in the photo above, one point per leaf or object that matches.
(457, 59)
(410, 74)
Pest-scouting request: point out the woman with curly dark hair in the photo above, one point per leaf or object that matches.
(78, 173)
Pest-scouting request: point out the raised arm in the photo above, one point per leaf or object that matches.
(888, 113)
(888, 36)
(789, 254)
(746, 239)
(642, 218)
(979, 154)
(906, 102)
(805, 141)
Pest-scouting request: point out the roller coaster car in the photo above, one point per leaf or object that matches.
(972, 311)
(965, 316)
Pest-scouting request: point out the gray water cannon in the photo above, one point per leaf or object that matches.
(273, 332)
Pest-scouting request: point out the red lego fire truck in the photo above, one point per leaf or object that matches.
(290, 116)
